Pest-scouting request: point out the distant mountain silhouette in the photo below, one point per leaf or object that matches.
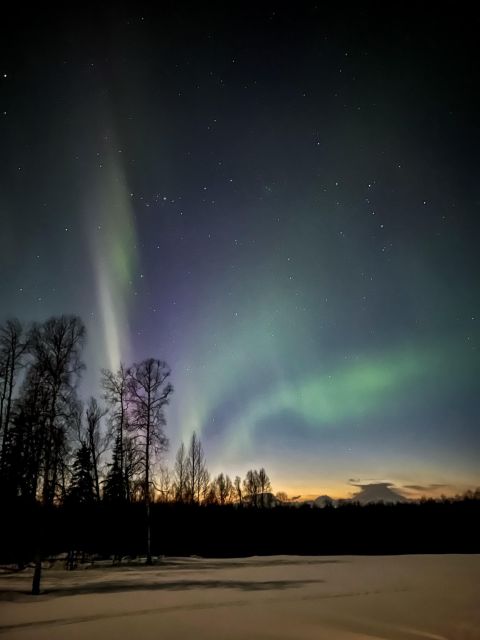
(377, 492)
(319, 502)
(324, 501)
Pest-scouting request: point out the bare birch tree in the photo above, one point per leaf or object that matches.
(149, 390)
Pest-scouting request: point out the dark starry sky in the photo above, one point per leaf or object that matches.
(279, 199)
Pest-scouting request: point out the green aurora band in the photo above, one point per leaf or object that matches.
(353, 391)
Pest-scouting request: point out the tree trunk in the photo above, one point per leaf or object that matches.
(37, 574)
(2, 401)
(149, 535)
(123, 470)
(93, 452)
(10, 393)
(147, 485)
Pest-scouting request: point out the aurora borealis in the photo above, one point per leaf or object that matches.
(280, 201)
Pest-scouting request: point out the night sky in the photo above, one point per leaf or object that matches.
(281, 201)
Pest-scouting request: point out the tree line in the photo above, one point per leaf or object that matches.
(55, 449)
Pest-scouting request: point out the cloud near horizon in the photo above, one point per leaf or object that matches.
(427, 487)
(363, 485)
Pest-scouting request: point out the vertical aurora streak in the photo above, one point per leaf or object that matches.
(113, 246)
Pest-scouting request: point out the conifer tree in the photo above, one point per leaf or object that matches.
(82, 487)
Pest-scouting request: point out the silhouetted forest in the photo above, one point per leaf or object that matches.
(86, 477)
(111, 531)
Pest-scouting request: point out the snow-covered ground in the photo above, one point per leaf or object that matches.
(350, 598)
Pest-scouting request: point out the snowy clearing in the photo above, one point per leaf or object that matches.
(348, 597)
